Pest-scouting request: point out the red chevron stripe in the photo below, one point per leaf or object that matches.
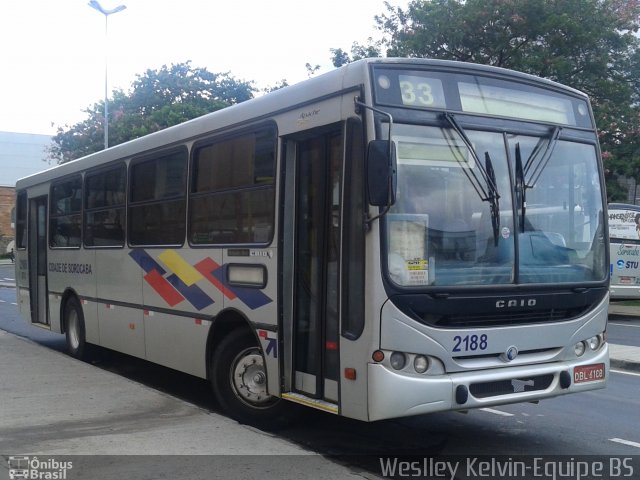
(208, 265)
(164, 288)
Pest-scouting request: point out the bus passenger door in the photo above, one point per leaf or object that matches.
(316, 220)
(38, 260)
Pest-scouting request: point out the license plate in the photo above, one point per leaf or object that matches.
(588, 373)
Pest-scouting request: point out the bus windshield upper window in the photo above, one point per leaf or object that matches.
(441, 231)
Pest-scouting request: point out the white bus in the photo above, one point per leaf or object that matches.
(287, 251)
(624, 235)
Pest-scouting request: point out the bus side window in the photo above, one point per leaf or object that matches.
(157, 203)
(65, 216)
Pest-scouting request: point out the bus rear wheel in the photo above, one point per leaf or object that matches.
(74, 329)
(239, 380)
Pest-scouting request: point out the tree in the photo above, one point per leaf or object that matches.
(158, 99)
(358, 51)
(587, 44)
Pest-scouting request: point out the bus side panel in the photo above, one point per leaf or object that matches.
(22, 284)
(120, 310)
(71, 269)
(625, 271)
(177, 342)
(184, 281)
(258, 301)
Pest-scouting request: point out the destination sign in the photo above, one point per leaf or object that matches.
(478, 95)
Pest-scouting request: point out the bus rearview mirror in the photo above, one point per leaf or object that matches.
(381, 173)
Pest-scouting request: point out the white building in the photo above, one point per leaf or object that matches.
(21, 154)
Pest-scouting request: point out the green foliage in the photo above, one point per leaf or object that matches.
(158, 99)
(358, 51)
(280, 84)
(587, 44)
(615, 192)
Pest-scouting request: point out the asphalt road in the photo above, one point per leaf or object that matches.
(624, 330)
(603, 422)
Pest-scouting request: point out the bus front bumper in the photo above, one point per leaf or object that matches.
(393, 394)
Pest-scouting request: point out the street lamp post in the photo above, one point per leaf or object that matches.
(94, 4)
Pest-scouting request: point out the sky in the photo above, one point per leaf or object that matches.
(52, 52)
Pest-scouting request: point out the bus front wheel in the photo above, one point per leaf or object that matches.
(239, 380)
(74, 329)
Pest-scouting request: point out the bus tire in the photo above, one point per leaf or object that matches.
(74, 329)
(239, 381)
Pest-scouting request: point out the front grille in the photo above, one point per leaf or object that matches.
(507, 318)
(496, 356)
(507, 387)
(499, 308)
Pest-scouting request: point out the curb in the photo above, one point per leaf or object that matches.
(624, 365)
(626, 310)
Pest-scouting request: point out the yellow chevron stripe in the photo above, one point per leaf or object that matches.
(180, 267)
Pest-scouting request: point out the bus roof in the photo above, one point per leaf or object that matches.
(347, 77)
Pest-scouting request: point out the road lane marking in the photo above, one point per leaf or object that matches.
(625, 442)
(497, 412)
(625, 372)
(624, 325)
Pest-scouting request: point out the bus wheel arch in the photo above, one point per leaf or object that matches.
(222, 325)
(73, 325)
(237, 372)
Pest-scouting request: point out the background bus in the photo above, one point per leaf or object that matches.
(287, 251)
(624, 234)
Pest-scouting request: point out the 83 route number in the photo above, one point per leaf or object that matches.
(470, 343)
(416, 93)
(421, 91)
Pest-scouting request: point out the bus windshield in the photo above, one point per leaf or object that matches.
(462, 217)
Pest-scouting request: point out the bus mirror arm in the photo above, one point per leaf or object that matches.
(380, 167)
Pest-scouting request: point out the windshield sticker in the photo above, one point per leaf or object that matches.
(408, 260)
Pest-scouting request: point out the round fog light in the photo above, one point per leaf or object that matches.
(594, 342)
(421, 364)
(579, 348)
(398, 360)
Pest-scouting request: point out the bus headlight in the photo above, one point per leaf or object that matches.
(421, 364)
(398, 360)
(595, 342)
(579, 348)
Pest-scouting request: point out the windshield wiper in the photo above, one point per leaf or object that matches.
(494, 205)
(521, 189)
(490, 194)
(536, 163)
(528, 175)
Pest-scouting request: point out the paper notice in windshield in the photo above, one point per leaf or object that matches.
(408, 258)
